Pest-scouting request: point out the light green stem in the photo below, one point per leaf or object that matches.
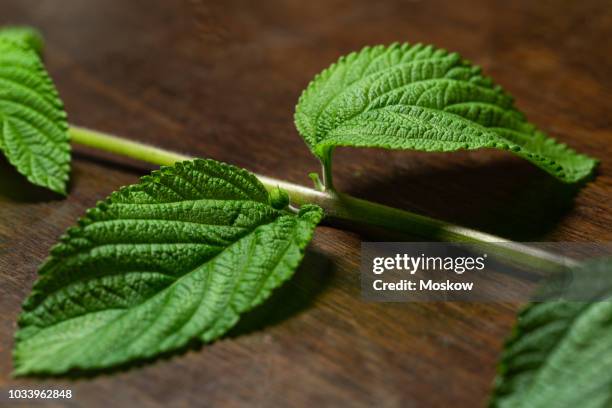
(326, 171)
(124, 147)
(337, 206)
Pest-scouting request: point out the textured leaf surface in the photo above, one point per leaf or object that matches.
(27, 36)
(560, 354)
(422, 98)
(177, 257)
(34, 130)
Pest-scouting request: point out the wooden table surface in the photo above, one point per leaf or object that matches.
(220, 80)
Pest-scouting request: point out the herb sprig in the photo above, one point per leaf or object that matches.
(182, 254)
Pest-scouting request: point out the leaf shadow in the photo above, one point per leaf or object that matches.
(295, 296)
(312, 277)
(17, 188)
(503, 197)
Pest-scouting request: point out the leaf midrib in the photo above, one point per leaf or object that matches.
(410, 118)
(168, 288)
(176, 277)
(368, 107)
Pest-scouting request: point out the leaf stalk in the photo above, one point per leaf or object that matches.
(326, 171)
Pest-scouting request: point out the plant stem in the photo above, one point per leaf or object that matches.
(124, 147)
(326, 171)
(337, 206)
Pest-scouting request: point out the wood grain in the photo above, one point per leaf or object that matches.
(220, 80)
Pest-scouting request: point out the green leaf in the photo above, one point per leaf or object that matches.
(560, 353)
(179, 256)
(34, 130)
(422, 98)
(27, 36)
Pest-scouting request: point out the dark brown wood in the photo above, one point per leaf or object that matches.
(220, 79)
